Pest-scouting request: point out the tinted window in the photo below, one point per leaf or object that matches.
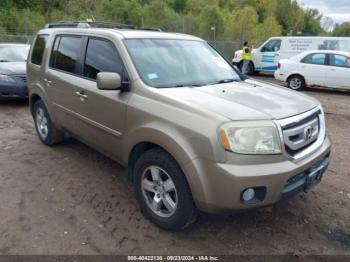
(317, 59)
(340, 60)
(101, 56)
(66, 52)
(39, 48)
(272, 46)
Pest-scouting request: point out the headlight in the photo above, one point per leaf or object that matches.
(6, 78)
(251, 137)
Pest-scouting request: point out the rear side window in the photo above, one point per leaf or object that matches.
(101, 56)
(38, 49)
(316, 59)
(339, 60)
(66, 53)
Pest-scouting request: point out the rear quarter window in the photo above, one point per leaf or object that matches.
(38, 49)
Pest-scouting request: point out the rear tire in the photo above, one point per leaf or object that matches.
(296, 82)
(162, 191)
(47, 132)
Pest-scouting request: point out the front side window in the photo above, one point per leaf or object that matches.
(316, 59)
(272, 46)
(177, 63)
(38, 49)
(101, 56)
(66, 52)
(339, 60)
(13, 53)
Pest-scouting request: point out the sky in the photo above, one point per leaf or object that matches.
(338, 10)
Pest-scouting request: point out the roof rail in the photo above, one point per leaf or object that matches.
(86, 24)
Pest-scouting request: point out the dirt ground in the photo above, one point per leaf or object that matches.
(69, 199)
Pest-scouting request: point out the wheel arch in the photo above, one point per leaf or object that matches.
(296, 74)
(145, 139)
(32, 100)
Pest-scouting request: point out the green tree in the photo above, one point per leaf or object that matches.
(158, 14)
(129, 12)
(210, 22)
(342, 29)
(312, 24)
(290, 15)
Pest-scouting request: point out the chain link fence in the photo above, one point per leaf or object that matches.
(24, 39)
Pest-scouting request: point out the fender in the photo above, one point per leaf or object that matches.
(158, 133)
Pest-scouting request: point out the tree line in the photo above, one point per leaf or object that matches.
(255, 20)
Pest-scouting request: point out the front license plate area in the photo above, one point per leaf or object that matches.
(313, 179)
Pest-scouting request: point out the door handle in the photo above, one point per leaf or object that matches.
(47, 81)
(81, 95)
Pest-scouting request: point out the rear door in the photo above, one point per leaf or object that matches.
(314, 67)
(338, 71)
(63, 80)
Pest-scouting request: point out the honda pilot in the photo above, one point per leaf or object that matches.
(194, 134)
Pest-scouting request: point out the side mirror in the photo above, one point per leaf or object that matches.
(109, 81)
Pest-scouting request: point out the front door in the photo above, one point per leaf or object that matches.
(103, 111)
(269, 55)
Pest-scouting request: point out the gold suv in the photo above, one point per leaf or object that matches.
(193, 132)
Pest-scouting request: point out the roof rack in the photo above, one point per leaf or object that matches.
(86, 24)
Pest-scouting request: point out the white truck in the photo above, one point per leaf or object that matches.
(266, 57)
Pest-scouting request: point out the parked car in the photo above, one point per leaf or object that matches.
(267, 56)
(13, 80)
(316, 68)
(194, 133)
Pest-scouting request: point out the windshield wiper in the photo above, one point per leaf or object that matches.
(4, 61)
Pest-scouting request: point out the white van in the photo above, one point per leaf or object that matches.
(266, 57)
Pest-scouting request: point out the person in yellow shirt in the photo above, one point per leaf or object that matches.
(247, 57)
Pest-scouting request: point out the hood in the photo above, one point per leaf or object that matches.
(13, 68)
(245, 100)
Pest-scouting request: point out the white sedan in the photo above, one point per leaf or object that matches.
(316, 68)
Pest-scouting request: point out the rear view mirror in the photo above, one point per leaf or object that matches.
(109, 81)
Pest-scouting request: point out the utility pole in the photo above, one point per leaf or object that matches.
(213, 28)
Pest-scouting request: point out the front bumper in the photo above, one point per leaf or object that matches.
(13, 91)
(17, 88)
(218, 187)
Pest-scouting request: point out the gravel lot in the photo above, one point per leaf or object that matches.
(69, 199)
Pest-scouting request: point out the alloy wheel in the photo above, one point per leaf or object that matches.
(159, 191)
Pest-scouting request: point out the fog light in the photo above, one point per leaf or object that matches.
(248, 194)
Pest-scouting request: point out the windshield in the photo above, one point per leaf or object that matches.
(13, 53)
(176, 63)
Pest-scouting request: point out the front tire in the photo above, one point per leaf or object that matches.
(296, 82)
(47, 132)
(162, 191)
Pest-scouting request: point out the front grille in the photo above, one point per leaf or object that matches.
(299, 133)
